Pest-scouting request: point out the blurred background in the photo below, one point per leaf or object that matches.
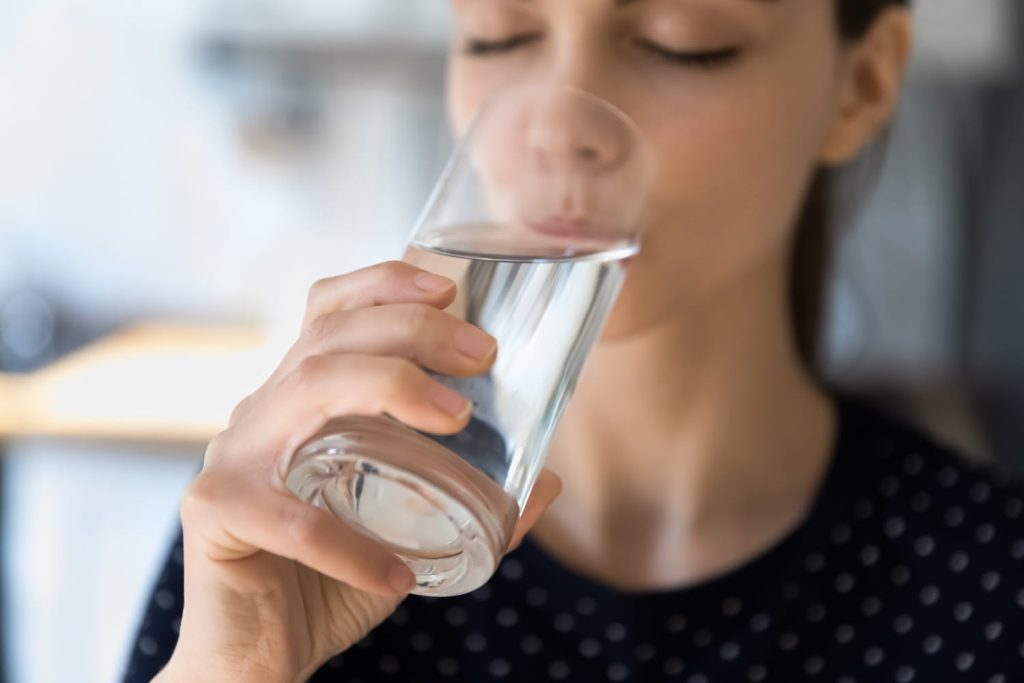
(174, 175)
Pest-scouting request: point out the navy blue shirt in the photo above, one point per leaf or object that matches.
(908, 567)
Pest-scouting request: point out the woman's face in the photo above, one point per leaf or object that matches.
(735, 97)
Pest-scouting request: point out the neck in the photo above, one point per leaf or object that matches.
(706, 429)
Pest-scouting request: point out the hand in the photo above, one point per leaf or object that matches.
(274, 586)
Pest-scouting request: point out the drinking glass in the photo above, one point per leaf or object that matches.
(533, 218)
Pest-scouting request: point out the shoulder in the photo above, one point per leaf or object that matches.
(934, 532)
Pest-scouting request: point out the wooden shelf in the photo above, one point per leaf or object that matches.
(154, 382)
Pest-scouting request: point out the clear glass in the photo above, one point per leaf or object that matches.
(534, 217)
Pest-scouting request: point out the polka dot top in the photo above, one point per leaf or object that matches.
(909, 567)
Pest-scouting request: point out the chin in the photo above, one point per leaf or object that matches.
(634, 313)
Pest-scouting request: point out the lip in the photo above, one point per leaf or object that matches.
(560, 226)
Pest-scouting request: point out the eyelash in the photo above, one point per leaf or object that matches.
(708, 60)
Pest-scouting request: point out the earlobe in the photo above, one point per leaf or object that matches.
(872, 81)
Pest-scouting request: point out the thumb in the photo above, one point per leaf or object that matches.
(544, 492)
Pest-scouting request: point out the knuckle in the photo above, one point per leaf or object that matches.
(318, 331)
(418, 319)
(393, 269)
(302, 524)
(317, 292)
(307, 372)
(197, 500)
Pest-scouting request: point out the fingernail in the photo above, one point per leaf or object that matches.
(435, 284)
(400, 578)
(474, 342)
(452, 402)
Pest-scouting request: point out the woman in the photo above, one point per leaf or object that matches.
(723, 516)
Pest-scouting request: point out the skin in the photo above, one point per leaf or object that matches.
(724, 436)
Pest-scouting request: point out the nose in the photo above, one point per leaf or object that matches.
(571, 131)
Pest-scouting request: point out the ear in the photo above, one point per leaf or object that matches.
(872, 79)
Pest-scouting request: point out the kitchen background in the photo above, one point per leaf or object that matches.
(174, 175)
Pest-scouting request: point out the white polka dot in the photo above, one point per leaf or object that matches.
(729, 651)
(894, 527)
(1013, 508)
(844, 634)
(844, 583)
(164, 599)
(499, 668)
(993, 630)
(589, 647)
(963, 611)
(702, 638)
(869, 555)
(964, 661)
(889, 486)
(615, 632)
(873, 656)
(863, 508)
(990, 581)
(900, 575)
(176, 625)
(870, 606)
(788, 641)
(512, 569)
(815, 613)
(586, 606)
(531, 645)
(759, 622)
(455, 615)
(954, 517)
(388, 664)
(997, 678)
(929, 595)
(948, 477)
(644, 652)
(447, 666)
(1020, 598)
(618, 672)
(980, 492)
(932, 644)
(697, 678)
(564, 622)
(958, 561)
(675, 623)
(920, 502)
(673, 666)
(536, 597)
(841, 534)
(1017, 549)
(985, 533)
(147, 646)
(731, 607)
(507, 617)
(756, 673)
(475, 642)
(814, 562)
(846, 679)
(558, 670)
(913, 464)
(903, 624)
(904, 674)
(814, 665)
(420, 641)
(924, 546)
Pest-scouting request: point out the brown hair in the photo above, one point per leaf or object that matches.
(812, 248)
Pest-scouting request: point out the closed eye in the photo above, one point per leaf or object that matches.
(478, 47)
(701, 59)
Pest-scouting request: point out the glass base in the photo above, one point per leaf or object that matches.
(449, 522)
